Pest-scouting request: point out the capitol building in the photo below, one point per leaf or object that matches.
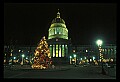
(62, 50)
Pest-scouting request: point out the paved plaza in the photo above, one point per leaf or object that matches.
(59, 72)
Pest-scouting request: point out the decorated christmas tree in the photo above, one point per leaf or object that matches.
(42, 58)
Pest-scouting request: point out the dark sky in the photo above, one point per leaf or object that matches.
(27, 23)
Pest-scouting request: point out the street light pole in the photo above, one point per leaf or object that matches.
(99, 43)
(70, 59)
(75, 58)
(22, 59)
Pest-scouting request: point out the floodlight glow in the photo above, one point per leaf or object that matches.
(93, 58)
(74, 55)
(23, 55)
(14, 58)
(80, 58)
(99, 42)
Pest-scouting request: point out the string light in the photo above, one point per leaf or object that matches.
(42, 57)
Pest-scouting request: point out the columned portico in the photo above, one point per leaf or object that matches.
(58, 50)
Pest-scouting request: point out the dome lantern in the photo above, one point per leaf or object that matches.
(58, 19)
(58, 14)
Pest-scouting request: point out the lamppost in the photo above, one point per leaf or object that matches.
(22, 59)
(70, 59)
(14, 59)
(99, 43)
(75, 58)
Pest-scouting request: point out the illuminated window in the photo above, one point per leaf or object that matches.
(53, 50)
(19, 50)
(60, 31)
(66, 49)
(50, 49)
(59, 50)
(4, 60)
(62, 50)
(56, 39)
(53, 31)
(73, 50)
(93, 57)
(90, 60)
(57, 30)
(11, 54)
(103, 50)
(56, 50)
(80, 58)
(11, 50)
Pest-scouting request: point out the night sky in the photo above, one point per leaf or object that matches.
(27, 23)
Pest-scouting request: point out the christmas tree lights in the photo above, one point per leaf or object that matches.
(42, 58)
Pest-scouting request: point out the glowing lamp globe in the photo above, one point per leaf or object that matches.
(99, 42)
